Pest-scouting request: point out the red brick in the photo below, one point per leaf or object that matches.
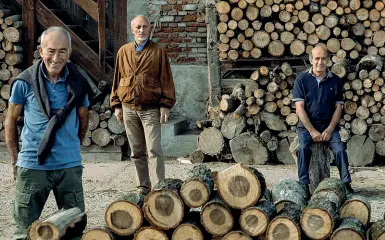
(174, 50)
(179, 8)
(189, 18)
(166, 30)
(173, 45)
(173, 24)
(186, 60)
(167, 7)
(178, 29)
(165, 40)
(160, 34)
(173, 55)
(191, 29)
(196, 24)
(184, 2)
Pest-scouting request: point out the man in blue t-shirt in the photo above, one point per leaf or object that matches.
(61, 170)
(318, 100)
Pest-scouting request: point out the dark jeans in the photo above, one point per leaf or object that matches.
(304, 155)
(33, 188)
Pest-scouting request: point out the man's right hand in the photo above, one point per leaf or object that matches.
(14, 171)
(119, 115)
(315, 135)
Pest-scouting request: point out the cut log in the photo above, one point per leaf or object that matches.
(359, 126)
(360, 150)
(63, 223)
(276, 48)
(216, 216)
(13, 58)
(273, 122)
(210, 141)
(222, 7)
(261, 39)
(190, 229)
(380, 148)
(370, 62)
(101, 137)
(196, 190)
(292, 119)
(99, 233)
(286, 224)
(272, 145)
(377, 132)
(378, 38)
(119, 140)
(297, 48)
(283, 152)
(232, 127)
(362, 112)
(115, 126)
(377, 231)
(124, 216)
(247, 148)
(345, 134)
(349, 228)
(228, 104)
(356, 206)
(289, 191)
(163, 207)
(236, 235)
(13, 35)
(93, 120)
(341, 68)
(145, 233)
(239, 186)
(252, 12)
(254, 220)
(321, 215)
(319, 167)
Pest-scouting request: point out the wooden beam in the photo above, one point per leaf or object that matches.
(29, 25)
(90, 7)
(214, 72)
(120, 24)
(102, 34)
(82, 53)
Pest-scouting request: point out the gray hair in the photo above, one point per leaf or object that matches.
(132, 21)
(319, 45)
(62, 31)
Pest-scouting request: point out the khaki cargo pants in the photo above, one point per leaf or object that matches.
(33, 188)
(143, 130)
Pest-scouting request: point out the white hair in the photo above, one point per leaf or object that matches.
(60, 30)
(132, 21)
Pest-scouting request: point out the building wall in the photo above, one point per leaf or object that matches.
(185, 39)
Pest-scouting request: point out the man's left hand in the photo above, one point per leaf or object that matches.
(327, 134)
(164, 113)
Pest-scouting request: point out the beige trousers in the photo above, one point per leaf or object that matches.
(143, 130)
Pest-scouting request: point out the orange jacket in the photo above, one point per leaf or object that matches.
(142, 80)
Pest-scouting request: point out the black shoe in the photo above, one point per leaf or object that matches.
(306, 187)
(348, 187)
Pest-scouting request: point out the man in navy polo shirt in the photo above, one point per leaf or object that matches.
(318, 100)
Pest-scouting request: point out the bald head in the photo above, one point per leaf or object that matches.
(140, 28)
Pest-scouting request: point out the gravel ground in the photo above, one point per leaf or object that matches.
(106, 181)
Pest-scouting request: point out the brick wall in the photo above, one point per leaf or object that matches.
(181, 31)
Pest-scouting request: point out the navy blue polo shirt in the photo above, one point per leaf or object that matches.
(320, 96)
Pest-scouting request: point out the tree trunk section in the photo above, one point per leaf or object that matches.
(101, 137)
(63, 223)
(289, 191)
(273, 122)
(254, 220)
(232, 127)
(196, 190)
(236, 235)
(377, 231)
(239, 186)
(190, 229)
(349, 228)
(360, 150)
(283, 152)
(145, 233)
(210, 141)
(285, 224)
(377, 132)
(216, 216)
(99, 233)
(124, 216)
(247, 148)
(356, 206)
(163, 207)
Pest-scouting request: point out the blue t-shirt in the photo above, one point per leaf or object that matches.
(66, 149)
(320, 97)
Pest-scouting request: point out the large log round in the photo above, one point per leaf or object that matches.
(247, 148)
(360, 150)
(286, 225)
(349, 228)
(254, 220)
(210, 141)
(289, 191)
(357, 206)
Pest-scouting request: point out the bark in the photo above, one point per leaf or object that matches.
(254, 220)
(286, 224)
(349, 227)
(289, 191)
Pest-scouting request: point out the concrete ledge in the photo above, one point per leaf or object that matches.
(181, 145)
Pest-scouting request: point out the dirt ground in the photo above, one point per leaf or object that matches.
(106, 181)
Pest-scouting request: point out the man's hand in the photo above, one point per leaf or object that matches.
(164, 113)
(119, 115)
(315, 135)
(327, 134)
(14, 171)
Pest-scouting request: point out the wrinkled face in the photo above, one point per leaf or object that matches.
(319, 59)
(140, 28)
(55, 52)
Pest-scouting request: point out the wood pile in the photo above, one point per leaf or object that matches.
(236, 204)
(276, 28)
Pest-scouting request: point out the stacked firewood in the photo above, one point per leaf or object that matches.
(256, 122)
(11, 56)
(103, 127)
(233, 204)
(255, 28)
